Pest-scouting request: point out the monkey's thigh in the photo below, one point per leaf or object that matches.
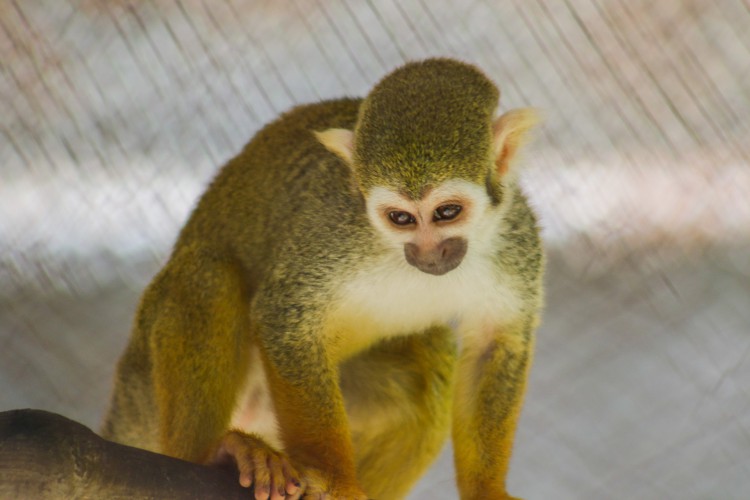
(398, 397)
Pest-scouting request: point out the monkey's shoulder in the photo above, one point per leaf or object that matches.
(285, 153)
(283, 165)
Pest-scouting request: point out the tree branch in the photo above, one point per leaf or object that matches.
(45, 455)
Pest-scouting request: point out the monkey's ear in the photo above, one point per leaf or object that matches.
(509, 133)
(338, 141)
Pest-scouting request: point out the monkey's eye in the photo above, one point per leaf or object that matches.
(446, 212)
(401, 218)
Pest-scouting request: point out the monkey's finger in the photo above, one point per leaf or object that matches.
(293, 483)
(246, 470)
(262, 476)
(278, 480)
(301, 489)
(262, 490)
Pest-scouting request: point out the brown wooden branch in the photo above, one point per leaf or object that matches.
(45, 455)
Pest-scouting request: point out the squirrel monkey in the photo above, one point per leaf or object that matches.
(362, 278)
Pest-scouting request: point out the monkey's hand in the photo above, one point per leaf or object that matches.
(259, 465)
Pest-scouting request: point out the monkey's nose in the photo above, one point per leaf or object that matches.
(444, 257)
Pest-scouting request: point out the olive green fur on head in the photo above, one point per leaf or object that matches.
(425, 123)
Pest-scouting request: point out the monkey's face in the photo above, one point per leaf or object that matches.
(435, 230)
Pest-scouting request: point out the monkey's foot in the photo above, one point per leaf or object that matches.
(259, 465)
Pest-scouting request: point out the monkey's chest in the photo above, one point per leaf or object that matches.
(389, 302)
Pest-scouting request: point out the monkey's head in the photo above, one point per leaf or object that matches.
(431, 161)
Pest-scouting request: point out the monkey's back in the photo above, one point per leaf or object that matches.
(285, 167)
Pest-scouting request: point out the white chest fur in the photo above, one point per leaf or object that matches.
(394, 298)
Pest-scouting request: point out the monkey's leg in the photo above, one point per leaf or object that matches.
(197, 316)
(398, 397)
(490, 385)
(132, 417)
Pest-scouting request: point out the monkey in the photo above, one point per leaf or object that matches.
(361, 282)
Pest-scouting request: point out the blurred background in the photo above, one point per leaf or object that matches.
(115, 114)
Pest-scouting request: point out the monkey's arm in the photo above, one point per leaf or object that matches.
(307, 397)
(491, 381)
